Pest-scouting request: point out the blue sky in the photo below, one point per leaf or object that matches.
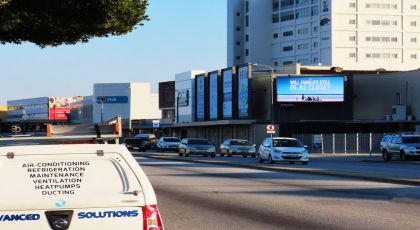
(181, 35)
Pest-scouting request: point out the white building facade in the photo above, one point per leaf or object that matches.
(351, 34)
(184, 96)
(131, 101)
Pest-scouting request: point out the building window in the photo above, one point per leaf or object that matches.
(246, 21)
(238, 14)
(352, 55)
(413, 56)
(303, 46)
(276, 18)
(288, 63)
(276, 5)
(352, 5)
(238, 57)
(246, 37)
(287, 4)
(315, 28)
(315, 44)
(246, 52)
(275, 35)
(303, 13)
(352, 21)
(247, 6)
(315, 60)
(352, 38)
(288, 48)
(287, 16)
(303, 31)
(276, 63)
(413, 23)
(413, 7)
(287, 33)
(315, 11)
(238, 43)
(238, 28)
(413, 40)
(368, 5)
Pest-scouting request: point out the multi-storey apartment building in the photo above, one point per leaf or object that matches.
(352, 34)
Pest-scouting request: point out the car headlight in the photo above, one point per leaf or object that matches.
(411, 149)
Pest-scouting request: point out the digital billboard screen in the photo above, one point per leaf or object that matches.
(59, 107)
(243, 75)
(214, 79)
(227, 93)
(310, 89)
(200, 97)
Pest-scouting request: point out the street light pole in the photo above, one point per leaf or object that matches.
(271, 88)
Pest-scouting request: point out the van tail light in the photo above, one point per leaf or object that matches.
(151, 218)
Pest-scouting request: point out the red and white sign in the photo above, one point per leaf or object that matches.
(271, 129)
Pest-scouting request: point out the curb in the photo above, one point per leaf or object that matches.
(352, 175)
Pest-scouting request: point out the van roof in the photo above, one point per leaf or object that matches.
(53, 149)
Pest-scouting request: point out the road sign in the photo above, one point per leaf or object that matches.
(271, 129)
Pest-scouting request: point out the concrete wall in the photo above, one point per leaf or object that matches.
(374, 95)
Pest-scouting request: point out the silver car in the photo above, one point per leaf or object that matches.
(237, 147)
(168, 143)
(196, 146)
(404, 146)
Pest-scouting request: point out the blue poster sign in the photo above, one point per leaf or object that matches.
(227, 94)
(243, 75)
(200, 97)
(213, 95)
(310, 89)
(112, 99)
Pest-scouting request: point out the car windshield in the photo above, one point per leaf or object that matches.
(198, 142)
(171, 139)
(239, 142)
(286, 143)
(411, 140)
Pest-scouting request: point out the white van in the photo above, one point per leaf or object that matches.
(82, 186)
(74, 186)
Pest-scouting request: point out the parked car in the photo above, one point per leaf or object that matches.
(237, 147)
(196, 146)
(168, 143)
(284, 149)
(404, 146)
(150, 140)
(383, 146)
(135, 143)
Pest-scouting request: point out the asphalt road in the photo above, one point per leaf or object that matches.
(203, 196)
(361, 164)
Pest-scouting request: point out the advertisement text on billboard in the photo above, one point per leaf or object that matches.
(243, 96)
(310, 89)
(200, 97)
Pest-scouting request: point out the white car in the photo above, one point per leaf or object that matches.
(80, 186)
(284, 149)
(168, 143)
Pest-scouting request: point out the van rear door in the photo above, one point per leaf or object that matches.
(68, 187)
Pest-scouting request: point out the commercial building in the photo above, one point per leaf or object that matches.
(167, 102)
(134, 102)
(351, 34)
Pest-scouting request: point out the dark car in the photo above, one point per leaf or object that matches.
(150, 140)
(136, 143)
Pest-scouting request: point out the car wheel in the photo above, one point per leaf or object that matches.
(270, 159)
(385, 155)
(305, 163)
(221, 154)
(213, 155)
(229, 154)
(403, 156)
(180, 154)
(244, 156)
(260, 160)
(253, 156)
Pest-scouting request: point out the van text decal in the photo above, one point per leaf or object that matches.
(107, 214)
(19, 217)
(58, 177)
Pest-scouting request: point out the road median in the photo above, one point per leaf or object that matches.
(276, 168)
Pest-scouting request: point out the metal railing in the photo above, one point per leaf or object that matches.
(342, 143)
